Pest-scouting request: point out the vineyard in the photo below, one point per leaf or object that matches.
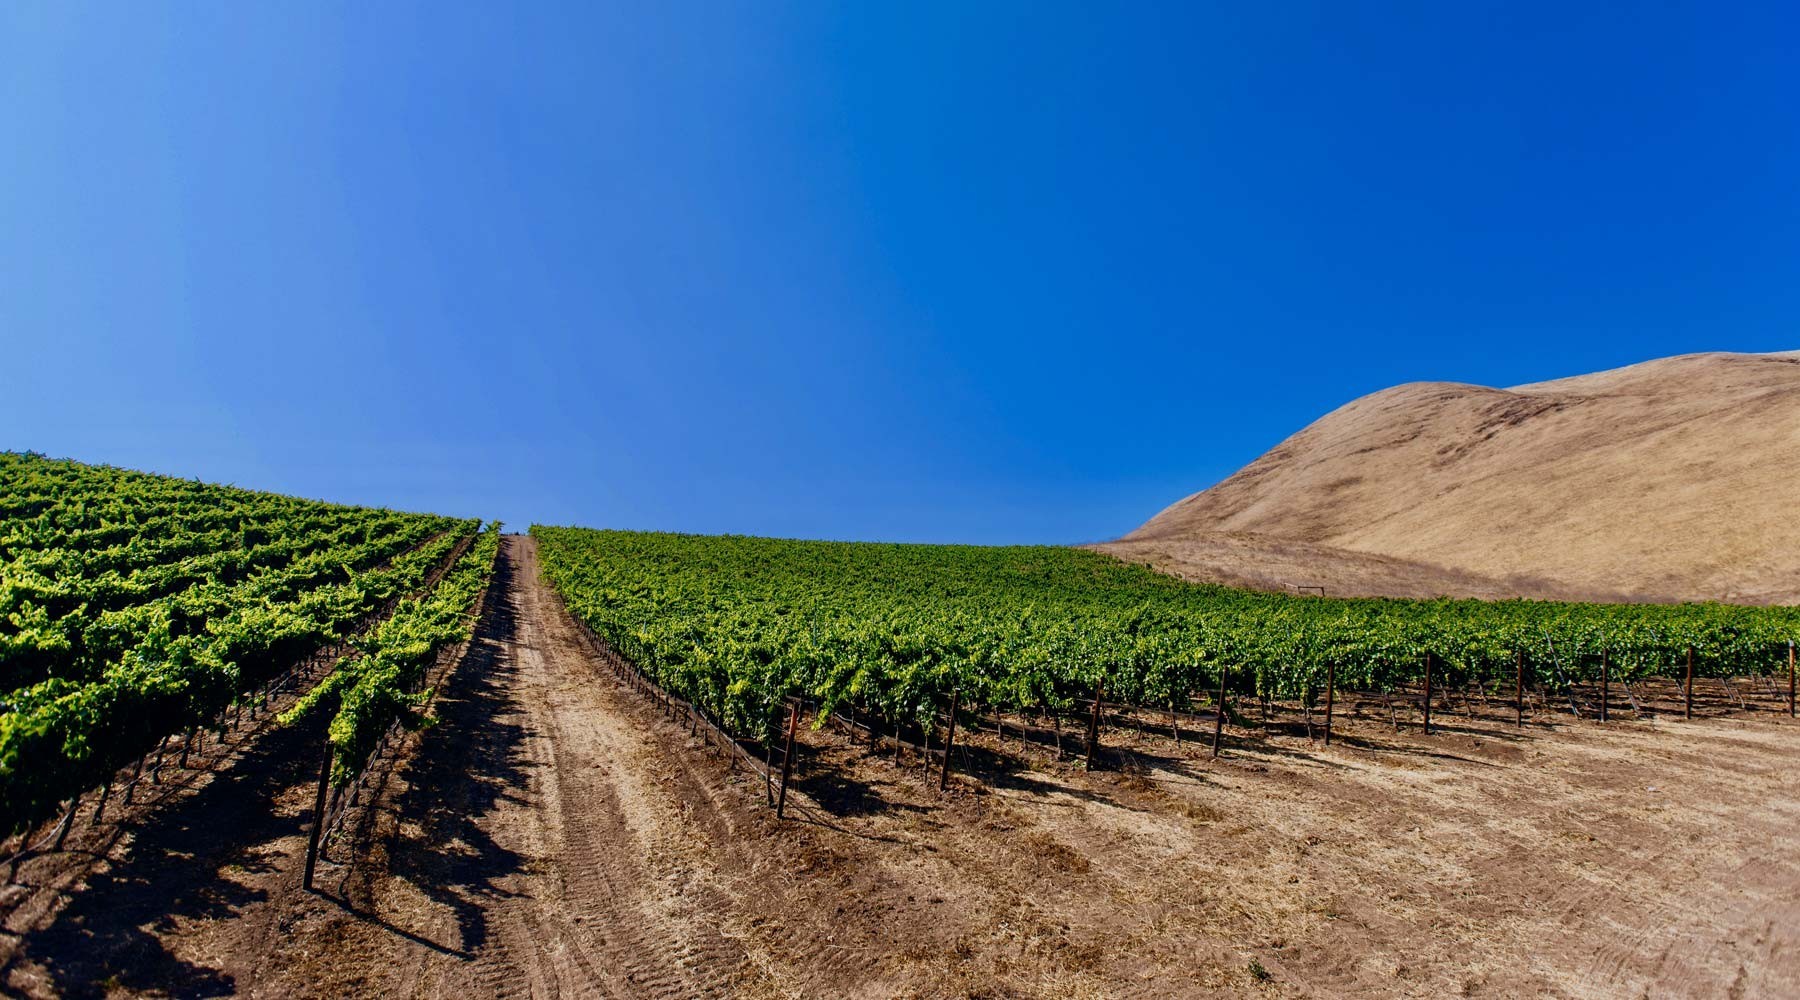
(135, 609)
(900, 633)
(558, 830)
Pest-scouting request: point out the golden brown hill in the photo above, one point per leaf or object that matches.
(1668, 480)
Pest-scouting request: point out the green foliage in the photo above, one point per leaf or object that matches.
(133, 607)
(382, 684)
(735, 624)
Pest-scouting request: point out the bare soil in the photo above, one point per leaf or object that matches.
(1285, 565)
(555, 835)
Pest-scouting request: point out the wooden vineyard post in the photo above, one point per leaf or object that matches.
(787, 759)
(1427, 694)
(68, 820)
(1603, 683)
(1519, 690)
(1688, 710)
(1790, 678)
(949, 742)
(1093, 734)
(318, 824)
(1330, 694)
(1219, 712)
(131, 787)
(100, 809)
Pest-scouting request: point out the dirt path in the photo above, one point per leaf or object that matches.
(553, 835)
(534, 847)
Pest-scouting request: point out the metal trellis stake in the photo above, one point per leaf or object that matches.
(949, 742)
(1519, 690)
(1330, 693)
(769, 759)
(1427, 701)
(1219, 712)
(1688, 711)
(1093, 740)
(1604, 664)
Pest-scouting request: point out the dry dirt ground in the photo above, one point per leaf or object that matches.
(1284, 565)
(556, 836)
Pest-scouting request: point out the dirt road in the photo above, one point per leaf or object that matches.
(553, 835)
(538, 844)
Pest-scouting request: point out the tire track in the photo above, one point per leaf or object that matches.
(660, 942)
(553, 848)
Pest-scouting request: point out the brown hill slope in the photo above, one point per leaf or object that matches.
(1671, 479)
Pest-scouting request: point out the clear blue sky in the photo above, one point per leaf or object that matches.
(960, 272)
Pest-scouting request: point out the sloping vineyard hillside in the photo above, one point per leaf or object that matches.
(134, 607)
(381, 684)
(735, 625)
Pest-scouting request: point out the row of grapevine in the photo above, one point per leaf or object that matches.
(735, 624)
(92, 559)
(105, 651)
(381, 684)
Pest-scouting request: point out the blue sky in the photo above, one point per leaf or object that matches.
(938, 272)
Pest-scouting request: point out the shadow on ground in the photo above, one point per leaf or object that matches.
(219, 854)
(201, 857)
(464, 767)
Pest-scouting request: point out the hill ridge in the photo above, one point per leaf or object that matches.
(1659, 481)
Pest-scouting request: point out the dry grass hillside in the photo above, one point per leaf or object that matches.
(1668, 480)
